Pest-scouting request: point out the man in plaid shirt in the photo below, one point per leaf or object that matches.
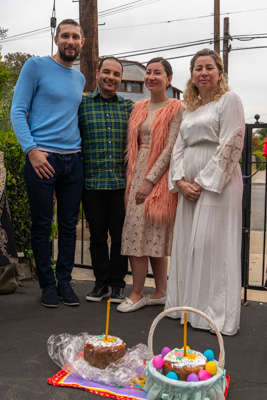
(103, 119)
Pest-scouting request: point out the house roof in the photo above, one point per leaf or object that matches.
(133, 71)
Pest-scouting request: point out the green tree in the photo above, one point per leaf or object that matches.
(14, 156)
(4, 75)
(4, 107)
(262, 132)
(9, 73)
(3, 33)
(14, 62)
(255, 142)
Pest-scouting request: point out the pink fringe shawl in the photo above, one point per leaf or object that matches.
(160, 205)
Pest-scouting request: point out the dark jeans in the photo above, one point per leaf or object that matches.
(104, 211)
(67, 183)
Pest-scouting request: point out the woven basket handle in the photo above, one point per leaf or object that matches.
(170, 310)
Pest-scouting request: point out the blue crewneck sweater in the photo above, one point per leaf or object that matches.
(51, 94)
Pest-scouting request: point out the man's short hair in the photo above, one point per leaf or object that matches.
(68, 22)
(109, 58)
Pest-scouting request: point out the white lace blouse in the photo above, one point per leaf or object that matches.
(209, 145)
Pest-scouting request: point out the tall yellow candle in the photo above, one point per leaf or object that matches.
(185, 332)
(107, 319)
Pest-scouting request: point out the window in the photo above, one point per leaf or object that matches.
(131, 87)
(122, 87)
(137, 87)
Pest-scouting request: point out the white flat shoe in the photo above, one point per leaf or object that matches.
(155, 302)
(128, 306)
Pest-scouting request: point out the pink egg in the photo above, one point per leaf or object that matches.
(158, 362)
(165, 351)
(204, 375)
(192, 377)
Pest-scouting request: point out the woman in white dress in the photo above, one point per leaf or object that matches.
(205, 270)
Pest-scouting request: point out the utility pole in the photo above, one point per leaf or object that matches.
(89, 52)
(53, 24)
(226, 47)
(217, 26)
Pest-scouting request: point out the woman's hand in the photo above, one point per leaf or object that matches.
(143, 192)
(190, 191)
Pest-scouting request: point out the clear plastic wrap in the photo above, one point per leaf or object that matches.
(67, 351)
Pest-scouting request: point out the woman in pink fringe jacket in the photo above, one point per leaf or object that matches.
(150, 207)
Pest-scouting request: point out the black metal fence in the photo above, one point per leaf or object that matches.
(249, 169)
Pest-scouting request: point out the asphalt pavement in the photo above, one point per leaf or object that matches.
(25, 327)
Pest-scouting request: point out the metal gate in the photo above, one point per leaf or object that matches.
(247, 168)
(247, 171)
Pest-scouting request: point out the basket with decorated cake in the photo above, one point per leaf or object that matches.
(183, 373)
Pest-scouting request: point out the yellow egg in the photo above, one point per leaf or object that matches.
(211, 367)
(187, 348)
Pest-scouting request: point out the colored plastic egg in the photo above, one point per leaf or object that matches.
(187, 348)
(211, 367)
(204, 375)
(165, 351)
(158, 362)
(209, 355)
(192, 377)
(172, 375)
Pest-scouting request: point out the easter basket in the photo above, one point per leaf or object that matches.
(159, 386)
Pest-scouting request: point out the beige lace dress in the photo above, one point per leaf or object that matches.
(140, 238)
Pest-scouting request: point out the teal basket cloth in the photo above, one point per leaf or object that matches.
(159, 387)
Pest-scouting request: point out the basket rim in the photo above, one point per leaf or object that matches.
(221, 360)
(155, 374)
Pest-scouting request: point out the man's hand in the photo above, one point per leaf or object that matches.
(190, 191)
(41, 166)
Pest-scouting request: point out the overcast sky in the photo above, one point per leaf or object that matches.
(157, 23)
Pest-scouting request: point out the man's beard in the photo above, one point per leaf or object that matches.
(65, 57)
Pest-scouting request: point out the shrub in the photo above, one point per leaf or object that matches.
(16, 191)
(258, 162)
(5, 106)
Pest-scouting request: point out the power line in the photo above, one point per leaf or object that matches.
(19, 35)
(180, 19)
(249, 48)
(191, 55)
(102, 14)
(262, 115)
(210, 41)
(233, 49)
(125, 7)
(244, 38)
(108, 12)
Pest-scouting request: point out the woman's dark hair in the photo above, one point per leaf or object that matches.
(167, 66)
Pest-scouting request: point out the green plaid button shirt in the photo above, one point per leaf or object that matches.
(103, 126)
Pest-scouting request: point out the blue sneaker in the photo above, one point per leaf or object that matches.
(68, 296)
(49, 296)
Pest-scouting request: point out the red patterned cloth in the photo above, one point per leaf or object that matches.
(131, 392)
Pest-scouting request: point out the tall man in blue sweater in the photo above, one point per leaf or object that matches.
(49, 90)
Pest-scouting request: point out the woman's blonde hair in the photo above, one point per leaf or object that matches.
(191, 93)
